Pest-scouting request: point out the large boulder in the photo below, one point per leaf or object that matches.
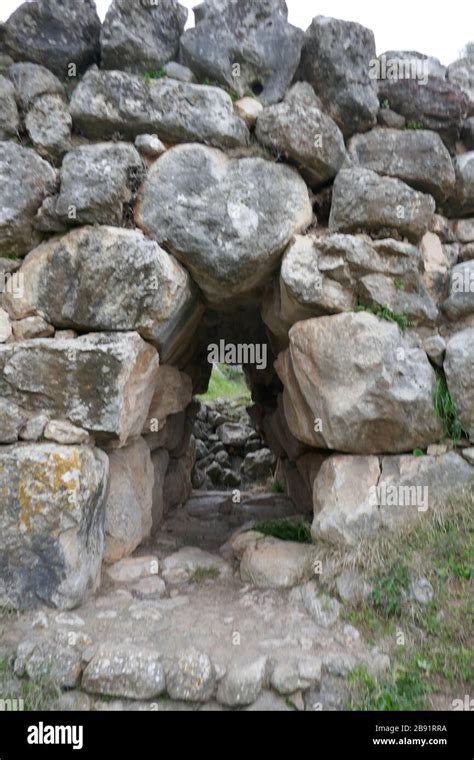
(128, 511)
(228, 220)
(336, 61)
(55, 33)
(106, 278)
(416, 156)
(462, 201)
(109, 102)
(141, 36)
(300, 130)
(102, 382)
(323, 274)
(95, 183)
(49, 124)
(355, 383)
(364, 201)
(9, 116)
(271, 563)
(461, 73)
(459, 368)
(32, 81)
(25, 181)
(354, 497)
(248, 46)
(52, 511)
(416, 87)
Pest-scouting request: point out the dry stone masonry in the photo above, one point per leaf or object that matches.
(246, 181)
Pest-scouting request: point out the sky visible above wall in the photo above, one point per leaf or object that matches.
(433, 27)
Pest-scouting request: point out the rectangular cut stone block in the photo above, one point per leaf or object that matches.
(102, 382)
(52, 514)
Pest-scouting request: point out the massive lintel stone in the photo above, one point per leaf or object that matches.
(422, 93)
(109, 102)
(227, 220)
(254, 36)
(300, 130)
(355, 383)
(25, 180)
(459, 368)
(95, 183)
(141, 36)
(418, 157)
(354, 497)
(9, 116)
(102, 382)
(364, 201)
(336, 62)
(106, 278)
(55, 33)
(323, 274)
(52, 511)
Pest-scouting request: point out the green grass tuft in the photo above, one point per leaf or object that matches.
(414, 124)
(401, 689)
(285, 530)
(149, 76)
(389, 590)
(202, 574)
(446, 410)
(382, 312)
(226, 382)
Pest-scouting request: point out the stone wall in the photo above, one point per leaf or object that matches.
(159, 196)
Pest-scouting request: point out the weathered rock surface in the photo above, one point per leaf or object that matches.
(243, 683)
(323, 274)
(462, 201)
(461, 73)
(459, 368)
(364, 201)
(299, 129)
(191, 677)
(105, 278)
(356, 496)
(125, 670)
(102, 382)
(335, 61)
(128, 509)
(427, 98)
(49, 124)
(272, 563)
(183, 565)
(384, 386)
(110, 102)
(418, 157)
(95, 183)
(52, 523)
(32, 81)
(9, 116)
(245, 45)
(55, 33)
(25, 180)
(141, 37)
(173, 392)
(227, 220)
